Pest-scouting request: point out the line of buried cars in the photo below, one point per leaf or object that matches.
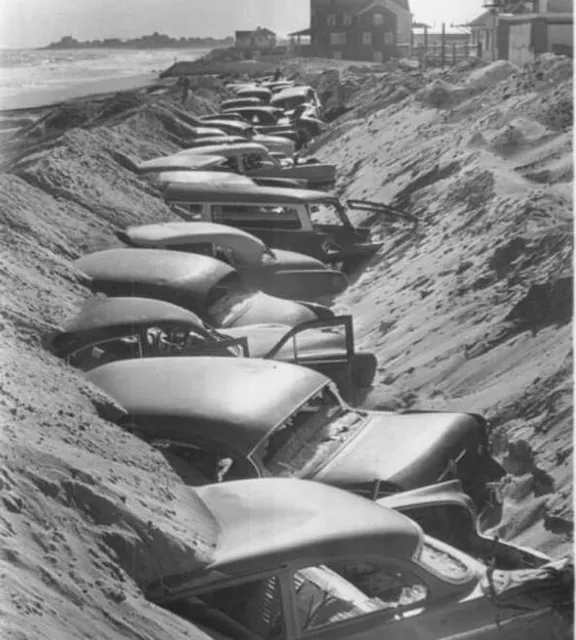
(215, 337)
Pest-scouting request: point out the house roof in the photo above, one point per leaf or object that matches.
(480, 21)
(404, 4)
(244, 34)
(265, 30)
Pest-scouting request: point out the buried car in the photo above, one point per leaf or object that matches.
(254, 160)
(219, 176)
(208, 287)
(293, 559)
(311, 222)
(110, 329)
(282, 273)
(280, 419)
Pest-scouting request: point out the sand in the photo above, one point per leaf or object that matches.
(470, 312)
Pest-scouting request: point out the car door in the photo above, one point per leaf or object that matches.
(326, 346)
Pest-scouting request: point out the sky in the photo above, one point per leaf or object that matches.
(34, 23)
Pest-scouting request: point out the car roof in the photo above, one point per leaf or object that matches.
(204, 177)
(234, 402)
(225, 149)
(106, 318)
(291, 92)
(247, 100)
(259, 108)
(244, 193)
(184, 279)
(177, 161)
(255, 89)
(248, 249)
(267, 522)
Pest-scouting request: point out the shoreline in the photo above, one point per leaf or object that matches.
(30, 101)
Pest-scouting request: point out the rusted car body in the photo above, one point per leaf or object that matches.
(278, 272)
(110, 329)
(254, 160)
(210, 288)
(295, 560)
(311, 222)
(280, 419)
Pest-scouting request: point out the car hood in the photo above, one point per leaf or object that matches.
(293, 260)
(311, 343)
(408, 450)
(263, 308)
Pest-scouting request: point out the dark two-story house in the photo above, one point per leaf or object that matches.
(359, 29)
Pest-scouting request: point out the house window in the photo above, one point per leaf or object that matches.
(367, 38)
(378, 19)
(388, 37)
(346, 19)
(337, 38)
(331, 19)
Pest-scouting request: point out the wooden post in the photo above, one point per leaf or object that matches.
(454, 53)
(466, 50)
(443, 46)
(425, 47)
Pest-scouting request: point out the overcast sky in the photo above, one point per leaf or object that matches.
(32, 23)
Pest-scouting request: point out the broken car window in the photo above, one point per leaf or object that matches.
(308, 436)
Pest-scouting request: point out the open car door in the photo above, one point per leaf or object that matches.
(445, 512)
(326, 346)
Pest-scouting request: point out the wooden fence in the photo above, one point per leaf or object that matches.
(440, 54)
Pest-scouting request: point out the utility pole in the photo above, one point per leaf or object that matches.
(493, 7)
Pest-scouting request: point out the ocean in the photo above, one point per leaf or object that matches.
(36, 77)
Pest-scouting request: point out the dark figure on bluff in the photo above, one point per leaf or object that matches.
(185, 83)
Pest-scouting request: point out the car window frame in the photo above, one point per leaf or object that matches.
(284, 578)
(388, 616)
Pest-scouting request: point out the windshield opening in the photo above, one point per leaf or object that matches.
(326, 213)
(311, 434)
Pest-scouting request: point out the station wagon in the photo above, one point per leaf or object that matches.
(311, 222)
(210, 288)
(280, 419)
(255, 160)
(281, 273)
(295, 560)
(110, 329)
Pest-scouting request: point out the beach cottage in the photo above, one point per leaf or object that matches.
(359, 29)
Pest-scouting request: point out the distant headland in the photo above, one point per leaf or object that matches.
(153, 41)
